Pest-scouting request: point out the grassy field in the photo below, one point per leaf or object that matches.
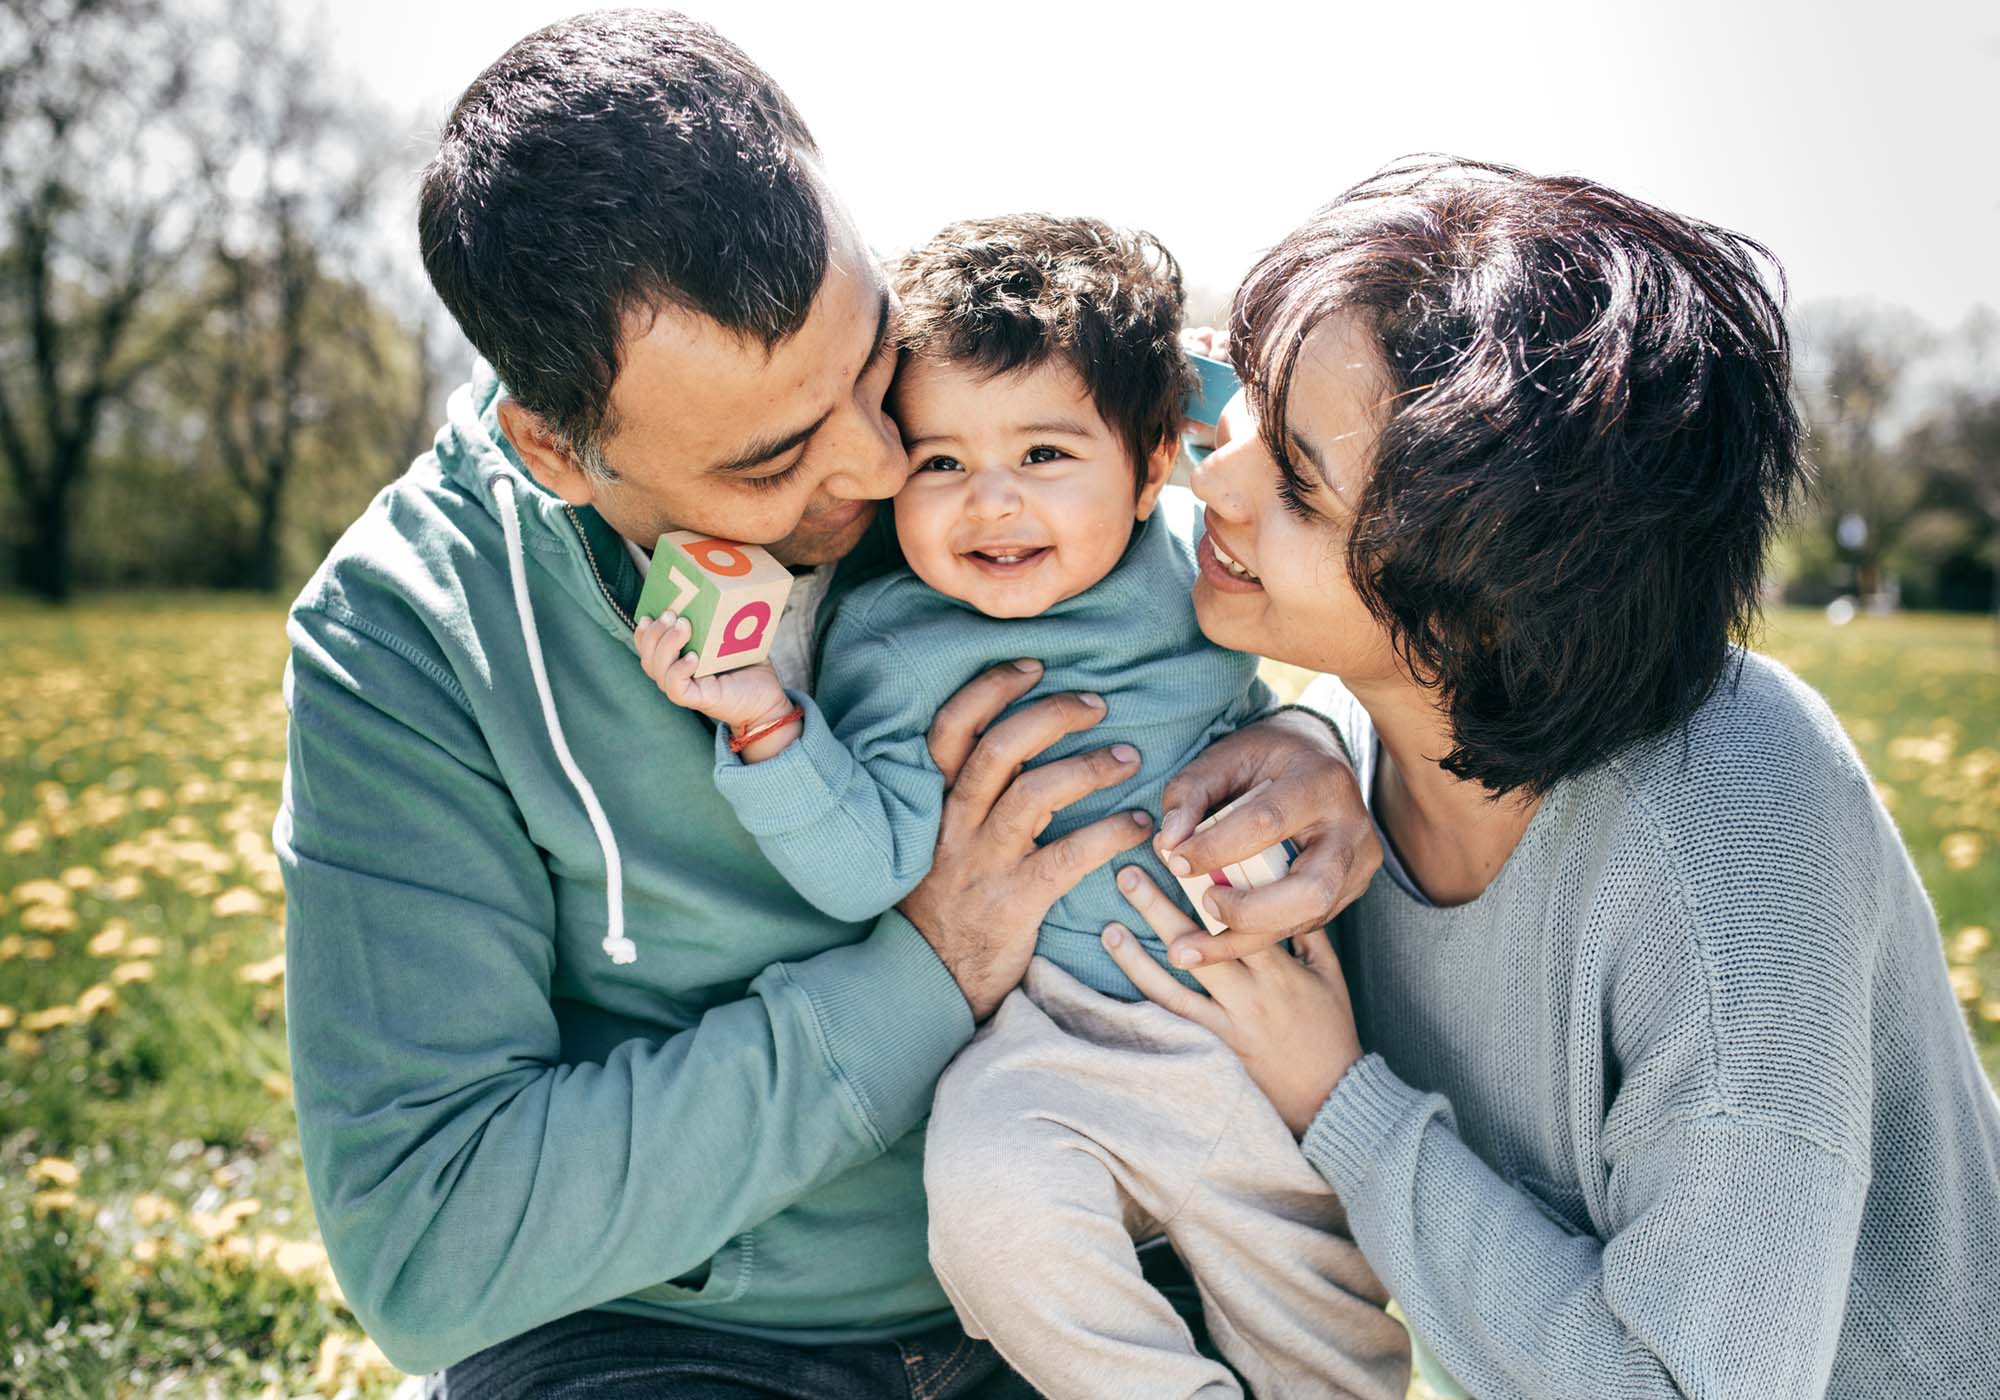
(155, 1237)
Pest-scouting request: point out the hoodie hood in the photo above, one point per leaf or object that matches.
(573, 545)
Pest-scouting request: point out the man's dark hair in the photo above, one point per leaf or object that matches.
(1588, 439)
(606, 167)
(1011, 293)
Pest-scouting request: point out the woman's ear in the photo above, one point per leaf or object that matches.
(1159, 466)
(547, 457)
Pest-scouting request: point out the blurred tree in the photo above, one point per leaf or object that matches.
(1853, 365)
(305, 192)
(109, 177)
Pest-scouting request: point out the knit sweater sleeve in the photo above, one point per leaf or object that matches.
(1735, 1135)
(849, 812)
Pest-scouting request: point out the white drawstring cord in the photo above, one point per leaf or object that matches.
(619, 948)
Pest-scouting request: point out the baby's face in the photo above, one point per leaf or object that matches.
(1019, 494)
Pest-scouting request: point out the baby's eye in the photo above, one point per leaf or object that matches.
(1039, 455)
(940, 464)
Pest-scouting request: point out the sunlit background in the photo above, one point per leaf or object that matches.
(216, 344)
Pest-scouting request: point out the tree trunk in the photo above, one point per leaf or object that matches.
(265, 548)
(43, 565)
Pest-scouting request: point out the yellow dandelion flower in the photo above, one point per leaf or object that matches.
(79, 877)
(22, 1045)
(48, 918)
(299, 1259)
(1965, 984)
(55, 1171)
(146, 1251)
(22, 839)
(148, 947)
(1962, 849)
(47, 1203)
(149, 1210)
(11, 946)
(1989, 1011)
(7, 1017)
(95, 998)
(51, 1018)
(1970, 943)
(212, 1225)
(278, 1086)
(125, 889)
(109, 939)
(269, 970)
(42, 892)
(38, 950)
(126, 973)
(238, 901)
(150, 799)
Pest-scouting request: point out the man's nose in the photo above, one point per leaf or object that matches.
(874, 465)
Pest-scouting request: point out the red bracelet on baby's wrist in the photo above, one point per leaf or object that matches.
(740, 742)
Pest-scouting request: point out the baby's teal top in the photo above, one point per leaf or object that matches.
(849, 813)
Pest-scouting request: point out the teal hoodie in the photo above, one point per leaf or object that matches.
(561, 1037)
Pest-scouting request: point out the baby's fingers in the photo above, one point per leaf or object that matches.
(659, 642)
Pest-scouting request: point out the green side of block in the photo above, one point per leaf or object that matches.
(661, 590)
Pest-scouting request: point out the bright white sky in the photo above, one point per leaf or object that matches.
(1858, 142)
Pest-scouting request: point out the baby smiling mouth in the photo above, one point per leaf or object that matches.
(1010, 554)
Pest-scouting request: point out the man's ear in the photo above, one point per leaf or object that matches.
(547, 456)
(1159, 466)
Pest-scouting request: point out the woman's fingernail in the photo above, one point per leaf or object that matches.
(1113, 935)
(670, 619)
(1208, 903)
(1179, 865)
(1095, 701)
(1027, 664)
(1128, 879)
(1124, 753)
(1186, 957)
(1140, 819)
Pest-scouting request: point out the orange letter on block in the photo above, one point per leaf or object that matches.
(719, 557)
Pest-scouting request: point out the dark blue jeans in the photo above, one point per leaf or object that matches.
(608, 1356)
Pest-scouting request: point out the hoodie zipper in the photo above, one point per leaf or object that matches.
(589, 554)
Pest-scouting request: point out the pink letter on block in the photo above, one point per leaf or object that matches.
(736, 637)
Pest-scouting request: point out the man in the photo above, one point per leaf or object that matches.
(573, 1063)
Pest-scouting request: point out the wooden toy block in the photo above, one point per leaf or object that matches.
(1267, 867)
(1218, 386)
(731, 594)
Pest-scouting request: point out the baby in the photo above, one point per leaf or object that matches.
(1040, 397)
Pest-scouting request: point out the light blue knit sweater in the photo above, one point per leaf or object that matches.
(1682, 1104)
(849, 813)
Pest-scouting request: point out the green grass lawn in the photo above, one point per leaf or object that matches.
(155, 1236)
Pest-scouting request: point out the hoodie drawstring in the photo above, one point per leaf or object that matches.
(617, 946)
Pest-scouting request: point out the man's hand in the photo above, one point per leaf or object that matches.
(990, 885)
(1310, 799)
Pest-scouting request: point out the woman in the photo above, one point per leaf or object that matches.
(1665, 1090)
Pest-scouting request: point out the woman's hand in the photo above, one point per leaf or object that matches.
(1309, 798)
(1287, 1016)
(990, 885)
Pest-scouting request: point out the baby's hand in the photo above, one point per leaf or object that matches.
(746, 700)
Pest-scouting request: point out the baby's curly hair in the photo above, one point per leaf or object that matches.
(1009, 293)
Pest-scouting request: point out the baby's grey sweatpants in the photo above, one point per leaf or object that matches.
(1075, 1124)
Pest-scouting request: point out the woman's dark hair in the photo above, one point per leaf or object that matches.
(1010, 293)
(1587, 439)
(613, 164)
